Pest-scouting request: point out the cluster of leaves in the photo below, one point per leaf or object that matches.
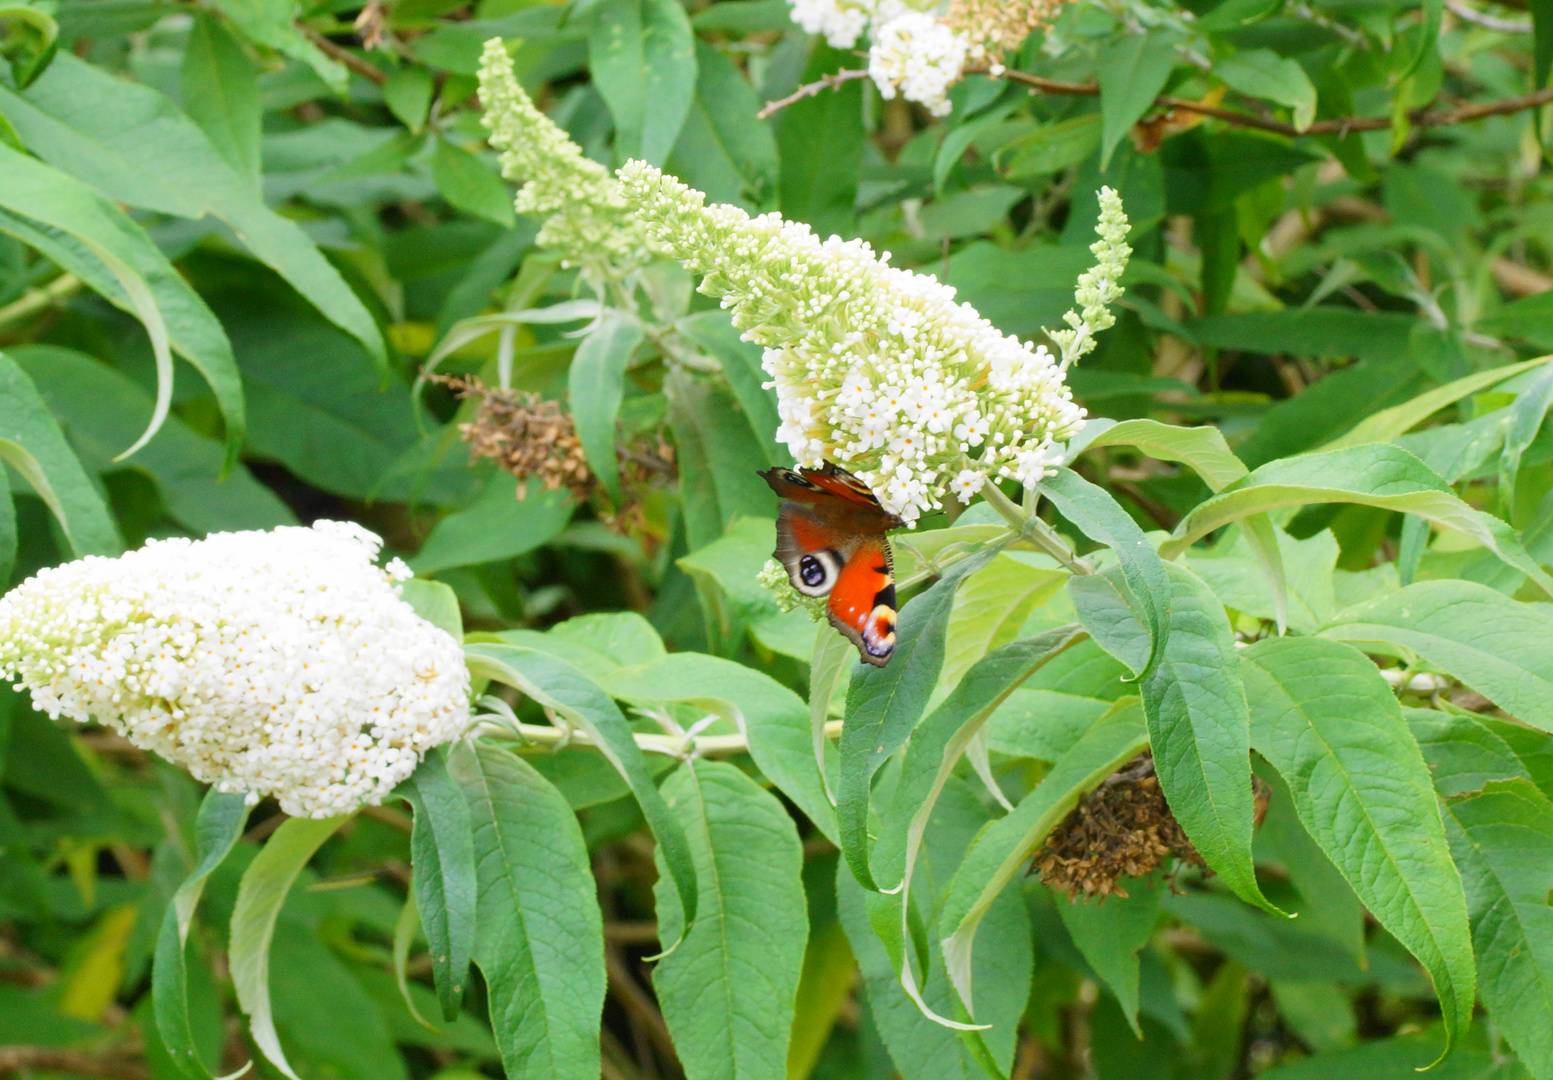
(690, 837)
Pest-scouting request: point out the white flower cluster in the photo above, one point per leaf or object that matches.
(877, 369)
(281, 663)
(842, 22)
(585, 218)
(921, 57)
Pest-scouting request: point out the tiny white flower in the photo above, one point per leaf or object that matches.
(966, 485)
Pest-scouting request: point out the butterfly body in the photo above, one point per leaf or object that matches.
(831, 539)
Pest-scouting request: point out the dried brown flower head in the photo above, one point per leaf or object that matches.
(532, 437)
(996, 27)
(1123, 828)
(526, 435)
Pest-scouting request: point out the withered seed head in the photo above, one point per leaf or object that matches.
(1121, 829)
(526, 435)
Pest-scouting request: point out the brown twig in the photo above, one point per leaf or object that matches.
(345, 56)
(15, 1060)
(829, 82)
(1422, 117)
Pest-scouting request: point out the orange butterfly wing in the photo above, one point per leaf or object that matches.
(830, 537)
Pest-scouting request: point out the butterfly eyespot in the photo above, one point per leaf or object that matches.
(811, 570)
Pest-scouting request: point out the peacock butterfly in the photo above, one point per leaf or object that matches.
(830, 537)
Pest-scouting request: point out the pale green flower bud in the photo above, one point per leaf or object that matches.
(1098, 286)
(586, 220)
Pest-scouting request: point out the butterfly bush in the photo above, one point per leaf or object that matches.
(878, 368)
(586, 221)
(282, 663)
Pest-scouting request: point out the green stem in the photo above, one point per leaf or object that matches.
(677, 745)
(1031, 528)
(36, 300)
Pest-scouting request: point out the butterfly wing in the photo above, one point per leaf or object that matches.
(833, 488)
(862, 604)
(856, 570)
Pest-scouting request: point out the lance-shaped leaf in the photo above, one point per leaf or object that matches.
(1502, 838)
(92, 238)
(260, 896)
(554, 683)
(1001, 850)
(1199, 724)
(1101, 519)
(32, 444)
(217, 827)
(936, 748)
(1501, 648)
(1204, 450)
(595, 387)
(1379, 474)
(728, 991)
(443, 857)
(769, 715)
(885, 703)
(130, 143)
(1328, 722)
(1110, 931)
(540, 936)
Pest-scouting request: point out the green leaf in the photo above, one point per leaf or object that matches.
(221, 95)
(820, 144)
(1099, 517)
(435, 602)
(1263, 73)
(273, 23)
(560, 686)
(407, 92)
(719, 455)
(885, 703)
(259, 898)
(1388, 424)
(740, 360)
(8, 544)
(643, 60)
(89, 236)
(469, 185)
(1132, 72)
(130, 143)
(1052, 147)
(217, 828)
(727, 992)
(1201, 448)
(1001, 851)
(539, 938)
(1525, 421)
(1198, 719)
(723, 149)
(921, 1049)
(1378, 475)
(936, 748)
(1501, 648)
(1502, 839)
(497, 525)
(103, 411)
(989, 611)
(1110, 931)
(771, 717)
(32, 444)
(1323, 716)
(595, 387)
(443, 858)
(1462, 751)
